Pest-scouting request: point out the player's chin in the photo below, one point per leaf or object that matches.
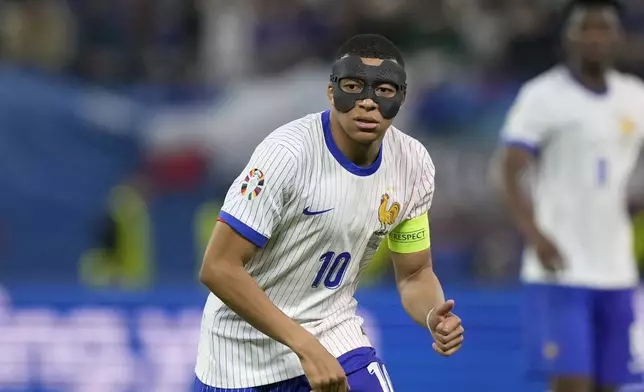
(366, 136)
(598, 56)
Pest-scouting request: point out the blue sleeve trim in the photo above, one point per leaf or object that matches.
(531, 148)
(244, 230)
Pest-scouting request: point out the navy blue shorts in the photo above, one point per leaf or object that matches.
(365, 372)
(573, 331)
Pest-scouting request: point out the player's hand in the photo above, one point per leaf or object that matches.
(548, 254)
(322, 370)
(446, 329)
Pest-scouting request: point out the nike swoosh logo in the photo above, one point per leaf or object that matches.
(311, 213)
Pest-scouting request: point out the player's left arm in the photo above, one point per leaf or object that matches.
(420, 289)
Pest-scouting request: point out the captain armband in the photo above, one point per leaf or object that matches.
(410, 236)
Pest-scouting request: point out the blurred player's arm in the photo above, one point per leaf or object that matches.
(515, 162)
(526, 132)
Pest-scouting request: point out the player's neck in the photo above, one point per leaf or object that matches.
(590, 76)
(360, 154)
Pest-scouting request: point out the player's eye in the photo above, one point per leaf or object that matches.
(351, 87)
(385, 91)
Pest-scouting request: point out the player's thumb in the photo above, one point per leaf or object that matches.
(445, 308)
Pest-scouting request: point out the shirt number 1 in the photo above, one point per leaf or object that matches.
(602, 171)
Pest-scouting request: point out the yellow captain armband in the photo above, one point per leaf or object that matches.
(410, 236)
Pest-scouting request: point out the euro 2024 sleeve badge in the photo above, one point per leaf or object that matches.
(252, 184)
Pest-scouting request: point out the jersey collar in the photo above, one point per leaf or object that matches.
(351, 167)
(597, 92)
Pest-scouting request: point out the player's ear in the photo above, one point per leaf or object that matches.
(329, 92)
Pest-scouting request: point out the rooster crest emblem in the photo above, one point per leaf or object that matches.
(387, 215)
(627, 126)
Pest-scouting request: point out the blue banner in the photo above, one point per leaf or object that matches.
(64, 339)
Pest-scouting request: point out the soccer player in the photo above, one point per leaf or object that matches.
(298, 226)
(580, 126)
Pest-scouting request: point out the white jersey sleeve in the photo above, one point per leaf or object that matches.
(528, 123)
(423, 190)
(256, 198)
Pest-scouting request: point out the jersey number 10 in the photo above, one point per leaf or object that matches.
(332, 270)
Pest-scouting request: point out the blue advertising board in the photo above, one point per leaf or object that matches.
(65, 339)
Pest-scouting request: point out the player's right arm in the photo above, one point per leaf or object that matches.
(249, 215)
(525, 134)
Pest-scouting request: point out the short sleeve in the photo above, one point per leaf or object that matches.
(255, 201)
(527, 124)
(423, 190)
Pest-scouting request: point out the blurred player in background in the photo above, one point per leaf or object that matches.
(582, 123)
(298, 226)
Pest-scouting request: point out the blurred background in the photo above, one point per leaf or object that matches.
(122, 123)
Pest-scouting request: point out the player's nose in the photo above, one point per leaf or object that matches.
(368, 104)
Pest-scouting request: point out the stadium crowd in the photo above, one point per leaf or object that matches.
(170, 41)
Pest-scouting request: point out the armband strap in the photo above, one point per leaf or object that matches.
(410, 236)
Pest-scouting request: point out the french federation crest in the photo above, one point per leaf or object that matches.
(252, 184)
(387, 214)
(626, 126)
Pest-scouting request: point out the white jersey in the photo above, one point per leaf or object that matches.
(318, 219)
(587, 145)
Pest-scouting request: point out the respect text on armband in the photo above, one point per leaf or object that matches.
(409, 237)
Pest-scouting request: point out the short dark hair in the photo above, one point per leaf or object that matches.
(573, 5)
(371, 46)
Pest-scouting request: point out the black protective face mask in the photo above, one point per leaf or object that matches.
(352, 67)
